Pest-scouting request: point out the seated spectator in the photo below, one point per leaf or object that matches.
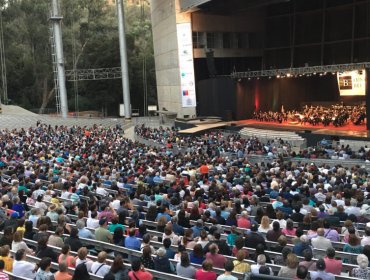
(224, 249)
(81, 272)
(240, 265)
(44, 251)
(243, 221)
(361, 272)
(56, 238)
(290, 270)
(261, 261)
(131, 241)
(289, 229)
(217, 259)
(274, 233)
(231, 220)
(253, 238)
(167, 245)
(331, 219)
(162, 263)
(82, 258)
(118, 237)
(3, 275)
(102, 234)
(99, 267)
(4, 256)
(330, 233)
(239, 246)
(184, 268)
(138, 271)
(297, 216)
(282, 242)
(115, 225)
(146, 242)
(62, 274)
(74, 241)
(265, 226)
(366, 239)
(205, 273)
(199, 226)
(52, 213)
(118, 268)
(353, 246)
(260, 250)
(301, 246)
(23, 268)
(320, 273)
(29, 231)
(18, 243)
(332, 265)
(43, 232)
(197, 255)
(168, 233)
(65, 256)
(308, 262)
(146, 258)
(44, 273)
(229, 267)
(321, 242)
(232, 236)
(92, 221)
(302, 273)
(281, 259)
(83, 232)
(176, 227)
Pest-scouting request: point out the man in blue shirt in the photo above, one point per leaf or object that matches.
(131, 242)
(82, 231)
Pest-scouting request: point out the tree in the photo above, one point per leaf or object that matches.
(90, 37)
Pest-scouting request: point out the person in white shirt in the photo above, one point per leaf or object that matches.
(81, 258)
(101, 191)
(261, 260)
(99, 267)
(366, 239)
(321, 242)
(353, 209)
(23, 268)
(92, 222)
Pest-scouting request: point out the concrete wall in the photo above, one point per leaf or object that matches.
(165, 15)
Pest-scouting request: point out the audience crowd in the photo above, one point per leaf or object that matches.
(198, 214)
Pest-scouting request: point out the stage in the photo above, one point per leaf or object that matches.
(347, 131)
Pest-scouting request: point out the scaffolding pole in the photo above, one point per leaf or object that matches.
(124, 63)
(56, 19)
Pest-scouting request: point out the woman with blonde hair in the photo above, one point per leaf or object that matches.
(240, 265)
(290, 270)
(18, 243)
(265, 225)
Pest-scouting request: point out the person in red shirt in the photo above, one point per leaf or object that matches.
(138, 271)
(332, 265)
(204, 273)
(204, 169)
(217, 259)
(243, 221)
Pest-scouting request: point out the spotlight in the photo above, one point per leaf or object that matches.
(288, 75)
(249, 79)
(239, 80)
(278, 76)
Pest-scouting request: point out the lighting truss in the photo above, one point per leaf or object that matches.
(301, 71)
(94, 74)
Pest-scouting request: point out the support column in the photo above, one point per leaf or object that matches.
(124, 63)
(56, 19)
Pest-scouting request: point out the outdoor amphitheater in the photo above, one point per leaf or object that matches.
(252, 161)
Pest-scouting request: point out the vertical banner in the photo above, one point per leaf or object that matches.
(352, 83)
(186, 64)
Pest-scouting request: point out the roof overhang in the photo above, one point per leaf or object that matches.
(191, 5)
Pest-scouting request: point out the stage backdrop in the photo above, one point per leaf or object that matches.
(219, 96)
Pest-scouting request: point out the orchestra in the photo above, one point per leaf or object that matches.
(337, 115)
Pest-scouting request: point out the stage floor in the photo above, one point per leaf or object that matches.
(349, 130)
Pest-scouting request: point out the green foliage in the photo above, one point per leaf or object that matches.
(90, 37)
